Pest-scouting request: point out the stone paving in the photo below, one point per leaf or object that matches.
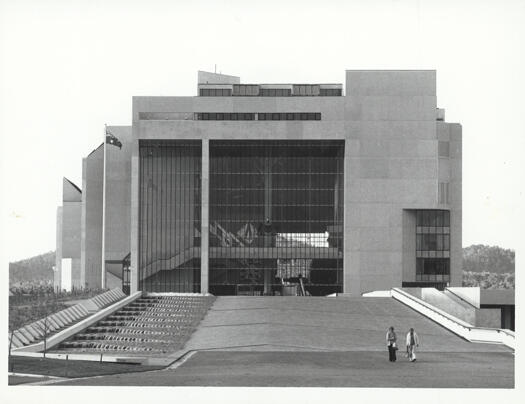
(320, 323)
(316, 341)
(326, 369)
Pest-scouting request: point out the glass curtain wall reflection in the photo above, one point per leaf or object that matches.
(169, 216)
(276, 217)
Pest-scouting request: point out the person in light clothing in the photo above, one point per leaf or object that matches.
(412, 341)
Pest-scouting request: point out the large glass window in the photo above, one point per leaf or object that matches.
(433, 245)
(276, 217)
(215, 92)
(169, 216)
(330, 92)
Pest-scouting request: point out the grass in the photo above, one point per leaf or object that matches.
(72, 368)
(25, 309)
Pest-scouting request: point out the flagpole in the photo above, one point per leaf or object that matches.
(103, 271)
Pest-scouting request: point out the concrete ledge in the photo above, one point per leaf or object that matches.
(56, 339)
(86, 357)
(88, 306)
(378, 293)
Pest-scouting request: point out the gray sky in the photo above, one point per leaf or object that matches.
(68, 67)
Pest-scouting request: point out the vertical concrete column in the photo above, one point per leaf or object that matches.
(205, 201)
(83, 226)
(351, 257)
(57, 276)
(134, 267)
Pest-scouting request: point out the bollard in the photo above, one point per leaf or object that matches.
(67, 360)
(101, 358)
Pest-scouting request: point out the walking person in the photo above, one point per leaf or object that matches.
(412, 341)
(391, 343)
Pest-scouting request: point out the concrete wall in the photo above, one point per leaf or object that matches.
(456, 204)
(216, 78)
(91, 241)
(390, 126)
(57, 274)
(70, 242)
(488, 318)
(454, 307)
(117, 202)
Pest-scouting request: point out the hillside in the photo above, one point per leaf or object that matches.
(35, 270)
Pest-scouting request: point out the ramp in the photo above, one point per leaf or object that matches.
(319, 324)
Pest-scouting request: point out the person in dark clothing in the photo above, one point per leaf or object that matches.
(391, 343)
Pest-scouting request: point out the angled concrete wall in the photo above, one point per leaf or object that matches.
(91, 241)
(69, 237)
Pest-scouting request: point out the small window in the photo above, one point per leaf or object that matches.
(205, 116)
(234, 117)
(317, 116)
(289, 116)
(261, 116)
(443, 194)
(276, 117)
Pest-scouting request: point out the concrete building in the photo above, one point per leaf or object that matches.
(255, 188)
(67, 273)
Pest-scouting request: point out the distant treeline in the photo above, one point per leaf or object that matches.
(484, 258)
(489, 280)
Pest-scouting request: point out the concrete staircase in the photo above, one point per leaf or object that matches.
(35, 332)
(150, 325)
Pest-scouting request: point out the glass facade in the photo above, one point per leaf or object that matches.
(169, 216)
(276, 217)
(331, 92)
(433, 245)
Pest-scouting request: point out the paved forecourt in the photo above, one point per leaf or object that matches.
(325, 369)
(291, 341)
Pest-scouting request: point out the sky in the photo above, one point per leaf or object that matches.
(69, 67)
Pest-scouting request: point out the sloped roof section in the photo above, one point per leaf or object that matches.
(98, 148)
(70, 192)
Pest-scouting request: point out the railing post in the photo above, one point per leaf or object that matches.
(45, 335)
(10, 345)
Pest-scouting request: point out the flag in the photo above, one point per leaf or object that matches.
(112, 139)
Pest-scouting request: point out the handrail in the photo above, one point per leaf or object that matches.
(454, 324)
